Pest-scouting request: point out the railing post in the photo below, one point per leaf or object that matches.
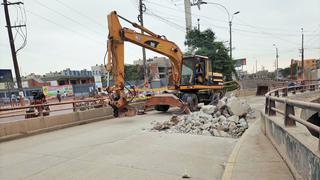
(272, 104)
(289, 109)
(276, 93)
(266, 106)
(74, 107)
(319, 140)
(294, 90)
(312, 88)
(285, 92)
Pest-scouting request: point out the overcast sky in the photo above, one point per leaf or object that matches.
(72, 33)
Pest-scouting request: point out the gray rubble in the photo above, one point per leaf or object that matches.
(228, 118)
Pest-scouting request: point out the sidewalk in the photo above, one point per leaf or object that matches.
(254, 157)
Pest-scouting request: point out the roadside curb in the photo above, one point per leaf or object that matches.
(227, 174)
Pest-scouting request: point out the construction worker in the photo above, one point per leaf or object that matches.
(199, 74)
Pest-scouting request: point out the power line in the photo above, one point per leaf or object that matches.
(23, 33)
(64, 27)
(274, 35)
(80, 13)
(70, 19)
(178, 27)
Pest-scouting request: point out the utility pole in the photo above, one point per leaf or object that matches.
(230, 41)
(302, 54)
(277, 61)
(11, 41)
(198, 24)
(256, 66)
(187, 11)
(140, 18)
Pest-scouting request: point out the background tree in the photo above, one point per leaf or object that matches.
(133, 73)
(204, 43)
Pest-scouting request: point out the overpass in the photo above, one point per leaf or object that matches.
(274, 146)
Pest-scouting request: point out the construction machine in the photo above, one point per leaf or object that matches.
(191, 80)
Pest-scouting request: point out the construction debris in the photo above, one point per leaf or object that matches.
(227, 119)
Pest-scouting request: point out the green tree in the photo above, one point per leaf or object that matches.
(286, 72)
(133, 72)
(204, 43)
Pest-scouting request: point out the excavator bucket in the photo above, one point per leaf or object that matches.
(163, 102)
(127, 111)
(122, 108)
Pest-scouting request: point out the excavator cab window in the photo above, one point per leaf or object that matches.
(193, 71)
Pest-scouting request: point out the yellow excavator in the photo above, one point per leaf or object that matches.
(191, 80)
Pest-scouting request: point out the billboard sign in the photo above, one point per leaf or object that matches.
(98, 82)
(240, 62)
(5, 75)
(52, 91)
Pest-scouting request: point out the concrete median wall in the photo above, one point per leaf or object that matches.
(14, 129)
(296, 145)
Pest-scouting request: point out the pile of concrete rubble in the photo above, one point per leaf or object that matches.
(228, 118)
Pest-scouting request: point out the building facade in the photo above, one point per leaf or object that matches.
(69, 77)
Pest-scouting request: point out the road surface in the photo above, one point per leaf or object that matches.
(122, 148)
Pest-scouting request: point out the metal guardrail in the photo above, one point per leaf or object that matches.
(289, 105)
(76, 105)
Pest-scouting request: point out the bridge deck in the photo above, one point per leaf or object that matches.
(115, 149)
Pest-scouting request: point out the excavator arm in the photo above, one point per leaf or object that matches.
(117, 36)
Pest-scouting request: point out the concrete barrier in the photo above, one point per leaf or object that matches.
(296, 146)
(15, 129)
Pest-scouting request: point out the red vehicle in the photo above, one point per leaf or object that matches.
(43, 109)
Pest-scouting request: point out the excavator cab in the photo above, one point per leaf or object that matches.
(197, 73)
(198, 84)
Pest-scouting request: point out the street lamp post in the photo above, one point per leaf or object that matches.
(230, 18)
(277, 60)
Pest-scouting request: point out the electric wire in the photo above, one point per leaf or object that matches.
(67, 17)
(258, 31)
(64, 27)
(80, 13)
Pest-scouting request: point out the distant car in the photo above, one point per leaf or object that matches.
(292, 84)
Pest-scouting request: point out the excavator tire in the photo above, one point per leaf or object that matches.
(163, 108)
(192, 100)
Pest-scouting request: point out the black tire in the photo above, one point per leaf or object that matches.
(163, 108)
(115, 113)
(192, 100)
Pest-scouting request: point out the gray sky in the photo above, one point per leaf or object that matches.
(60, 37)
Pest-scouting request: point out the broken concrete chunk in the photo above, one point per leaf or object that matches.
(222, 118)
(208, 109)
(186, 176)
(234, 118)
(227, 119)
(221, 104)
(237, 107)
(243, 123)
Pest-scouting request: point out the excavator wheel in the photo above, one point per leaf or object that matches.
(192, 100)
(163, 108)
